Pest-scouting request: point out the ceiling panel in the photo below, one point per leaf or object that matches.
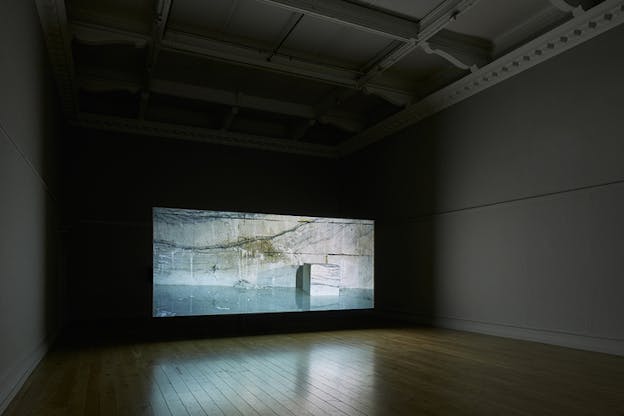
(201, 17)
(203, 72)
(246, 21)
(490, 19)
(116, 62)
(412, 9)
(260, 22)
(110, 103)
(131, 15)
(370, 108)
(334, 43)
(263, 124)
(176, 110)
(325, 134)
(417, 64)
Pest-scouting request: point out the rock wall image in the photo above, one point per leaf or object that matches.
(244, 250)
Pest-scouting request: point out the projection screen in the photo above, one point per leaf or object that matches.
(215, 262)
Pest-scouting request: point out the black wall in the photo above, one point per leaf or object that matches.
(113, 180)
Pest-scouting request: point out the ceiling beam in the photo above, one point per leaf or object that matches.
(574, 32)
(230, 98)
(254, 58)
(94, 35)
(436, 20)
(228, 52)
(429, 26)
(143, 103)
(175, 131)
(398, 100)
(302, 128)
(232, 10)
(100, 84)
(229, 118)
(343, 120)
(223, 51)
(53, 18)
(289, 27)
(349, 124)
(380, 66)
(159, 24)
(353, 15)
(411, 34)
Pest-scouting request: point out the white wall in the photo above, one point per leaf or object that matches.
(505, 214)
(28, 193)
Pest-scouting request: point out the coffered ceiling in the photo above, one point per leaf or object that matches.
(318, 77)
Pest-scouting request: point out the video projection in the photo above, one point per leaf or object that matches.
(215, 262)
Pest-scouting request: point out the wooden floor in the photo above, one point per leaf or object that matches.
(361, 372)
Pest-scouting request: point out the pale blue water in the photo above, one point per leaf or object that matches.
(185, 300)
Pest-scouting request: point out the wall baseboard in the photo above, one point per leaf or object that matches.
(14, 378)
(563, 339)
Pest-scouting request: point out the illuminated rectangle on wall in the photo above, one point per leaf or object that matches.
(216, 262)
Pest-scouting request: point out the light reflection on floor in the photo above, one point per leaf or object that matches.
(375, 372)
(265, 377)
(184, 300)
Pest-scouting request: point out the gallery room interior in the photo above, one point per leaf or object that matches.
(306, 207)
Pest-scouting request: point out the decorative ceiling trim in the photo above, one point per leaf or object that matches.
(468, 50)
(53, 18)
(174, 131)
(565, 6)
(435, 21)
(576, 31)
(427, 47)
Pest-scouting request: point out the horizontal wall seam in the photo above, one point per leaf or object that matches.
(28, 162)
(433, 321)
(429, 319)
(531, 328)
(513, 200)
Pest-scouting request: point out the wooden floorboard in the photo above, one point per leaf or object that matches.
(394, 371)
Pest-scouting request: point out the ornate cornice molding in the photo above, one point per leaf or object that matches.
(174, 131)
(576, 31)
(53, 17)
